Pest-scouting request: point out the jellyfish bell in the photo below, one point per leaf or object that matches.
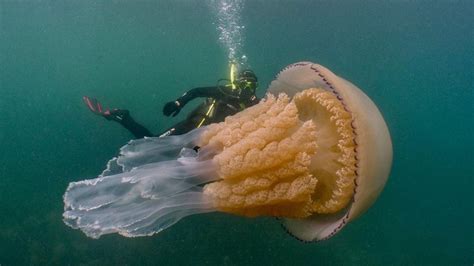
(373, 146)
(315, 152)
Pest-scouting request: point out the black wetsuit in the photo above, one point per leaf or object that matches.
(221, 102)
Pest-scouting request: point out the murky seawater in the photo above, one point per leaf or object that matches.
(413, 58)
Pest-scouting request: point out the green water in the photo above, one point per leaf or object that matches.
(413, 58)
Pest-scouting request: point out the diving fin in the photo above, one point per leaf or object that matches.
(93, 105)
(114, 114)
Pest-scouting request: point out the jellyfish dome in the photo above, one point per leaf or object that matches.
(370, 142)
(315, 152)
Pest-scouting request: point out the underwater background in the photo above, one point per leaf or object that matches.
(413, 58)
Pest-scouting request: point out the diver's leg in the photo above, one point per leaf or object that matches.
(124, 118)
(119, 115)
(179, 129)
(139, 131)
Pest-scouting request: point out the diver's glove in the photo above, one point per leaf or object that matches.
(114, 114)
(172, 108)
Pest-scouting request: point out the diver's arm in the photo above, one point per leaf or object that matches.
(174, 107)
(207, 92)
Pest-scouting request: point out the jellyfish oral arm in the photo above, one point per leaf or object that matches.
(152, 195)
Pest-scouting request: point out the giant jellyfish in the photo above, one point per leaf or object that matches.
(314, 152)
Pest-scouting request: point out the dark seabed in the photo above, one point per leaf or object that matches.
(413, 58)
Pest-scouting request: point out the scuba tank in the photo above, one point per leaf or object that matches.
(232, 75)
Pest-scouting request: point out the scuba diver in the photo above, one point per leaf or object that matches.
(222, 100)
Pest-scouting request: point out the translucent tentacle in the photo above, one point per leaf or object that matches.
(150, 150)
(151, 186)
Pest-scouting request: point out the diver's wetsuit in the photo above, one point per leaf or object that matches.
(129, 123)
(221, 102)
